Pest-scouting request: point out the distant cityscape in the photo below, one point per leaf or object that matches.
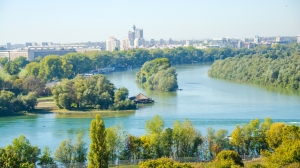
(134, 39)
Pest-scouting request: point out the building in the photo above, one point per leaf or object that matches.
(34, 52)
(139, 42)
(298, 39)
(131, 37)
(8, 46)
(138, 33)
(278, 39)
(170, 41)
(152, 42)
(125, 44)
(240, 44)
(112, 44)
(13, 54)
(188, 43)
(256, 40)
(29, 44)
(161, 41)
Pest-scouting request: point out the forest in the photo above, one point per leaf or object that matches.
(277, 66)
(158, 75)
(277, 143)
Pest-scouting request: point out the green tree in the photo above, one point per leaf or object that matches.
(3, 61)
(98, 155)
(21, 61)
(46, 158)
(33, 69)
(12, 68)
(22, 148)
(80, 150)
(65, 152)
(121, 94)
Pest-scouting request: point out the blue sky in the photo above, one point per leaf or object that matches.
(95, 20)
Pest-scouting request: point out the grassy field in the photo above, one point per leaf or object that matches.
(4, 75)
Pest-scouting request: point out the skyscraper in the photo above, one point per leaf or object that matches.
(298, 39)
(112, 43)
(131, 37)
(139, 33)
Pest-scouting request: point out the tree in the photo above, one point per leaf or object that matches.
(98, 154)
(80, 150)
(33, 69)
(155, 125)
(22, 148)
(21, 61)
(3, 61)
(64, 153)
(46, 157)
(121, 94)
(12, 68)
(33, 84)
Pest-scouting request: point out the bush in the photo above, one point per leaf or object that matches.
(228, 159)
(163, 163)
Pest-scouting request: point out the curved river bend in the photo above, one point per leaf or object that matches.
(203, 100)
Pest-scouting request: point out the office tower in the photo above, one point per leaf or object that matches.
(240, 44)
(138, 33)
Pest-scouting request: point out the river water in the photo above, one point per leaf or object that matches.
(203, 100)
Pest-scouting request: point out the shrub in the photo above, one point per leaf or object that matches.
(228, 159)
(163, 163)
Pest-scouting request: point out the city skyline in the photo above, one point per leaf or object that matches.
(66, 22)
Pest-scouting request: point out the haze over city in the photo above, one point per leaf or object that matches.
(82, 21)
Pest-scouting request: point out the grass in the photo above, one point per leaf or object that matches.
(126, 166)
(48, 98)
(6, 76)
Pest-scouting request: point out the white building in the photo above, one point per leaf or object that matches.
(112, 43)
(298, 39)
(13, 54)
(188, 43)
(125, 44)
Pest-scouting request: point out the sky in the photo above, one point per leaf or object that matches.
(68, 21)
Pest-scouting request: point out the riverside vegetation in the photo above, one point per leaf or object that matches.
(158, 75)
(277, 66)
(278, 144)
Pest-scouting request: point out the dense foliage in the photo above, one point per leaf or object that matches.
(68, 66)
(9, 103)
(158, 75)
(163, 162)
(95, 92)
(277, 66)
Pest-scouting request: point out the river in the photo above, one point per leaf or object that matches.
(203, 100)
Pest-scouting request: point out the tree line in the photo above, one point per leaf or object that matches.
(278, 143)
(277, 66)
(69, 65)
(93, 92)
(158, 75)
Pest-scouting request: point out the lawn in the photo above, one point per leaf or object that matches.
(4, 75)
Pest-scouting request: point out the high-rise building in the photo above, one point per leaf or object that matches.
(152, 42)
(161, 41)
(8, 46)
(138, 33)
(112, 43)
(139, 42)
(170, 41)
(240, 44)
(298, 39)
(125, 44)
(28, 44)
